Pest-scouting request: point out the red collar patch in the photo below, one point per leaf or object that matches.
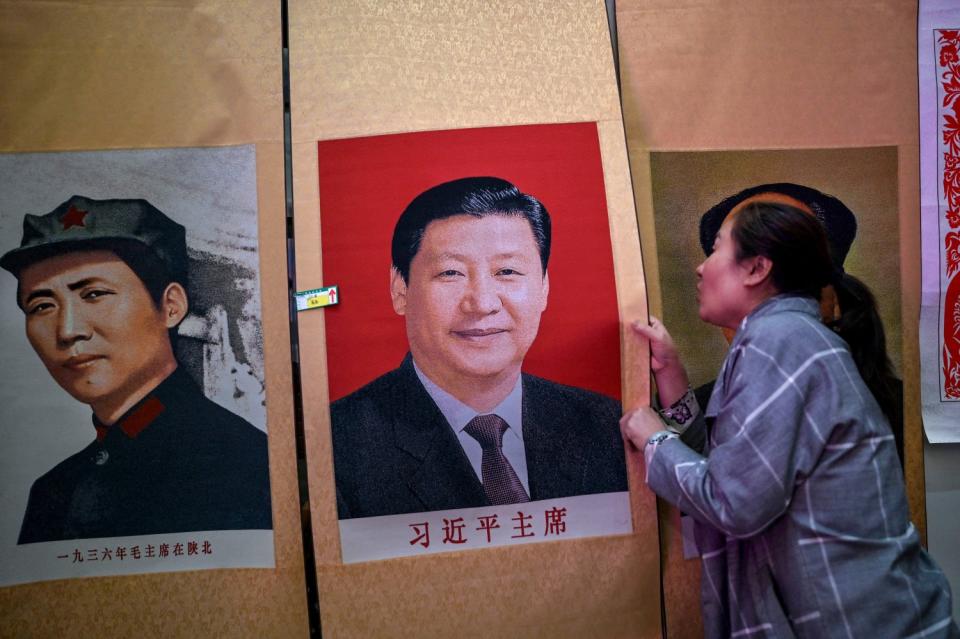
(137, 421)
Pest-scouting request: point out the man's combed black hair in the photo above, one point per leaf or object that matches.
(474, 196)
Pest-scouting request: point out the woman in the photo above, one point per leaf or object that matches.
(802, 520)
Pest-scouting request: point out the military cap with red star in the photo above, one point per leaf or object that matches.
(82, 223)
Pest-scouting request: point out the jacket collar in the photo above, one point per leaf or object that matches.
(440, 473)
(784, 303)
(142, 414)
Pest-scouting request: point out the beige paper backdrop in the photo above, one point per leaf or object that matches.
(390, 66)
(765, 74)
(113, 75)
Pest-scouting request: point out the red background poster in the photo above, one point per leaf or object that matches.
(365, 184)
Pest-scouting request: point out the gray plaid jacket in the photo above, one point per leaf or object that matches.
(802, 520)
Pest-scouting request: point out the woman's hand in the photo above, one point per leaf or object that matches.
(665, 362)
(639, 424)
(663, 352)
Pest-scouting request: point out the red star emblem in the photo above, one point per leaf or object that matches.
(73, 217)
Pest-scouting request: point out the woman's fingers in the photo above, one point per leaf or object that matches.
(639, 424)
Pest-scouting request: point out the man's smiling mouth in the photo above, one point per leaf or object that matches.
(477, 333)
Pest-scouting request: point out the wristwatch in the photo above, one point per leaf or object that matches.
(659, 437)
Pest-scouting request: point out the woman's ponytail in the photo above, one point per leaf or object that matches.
(796, 244)
(861, 328)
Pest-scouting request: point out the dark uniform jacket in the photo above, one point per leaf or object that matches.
(175, 462)
(394, 451)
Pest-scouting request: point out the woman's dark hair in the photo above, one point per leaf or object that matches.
(793, 241)
(860, 326)
(839, 221)
(796, 245)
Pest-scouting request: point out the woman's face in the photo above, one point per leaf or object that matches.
(722, 291)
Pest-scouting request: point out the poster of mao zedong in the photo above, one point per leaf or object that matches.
(135, 419)
(473, 362)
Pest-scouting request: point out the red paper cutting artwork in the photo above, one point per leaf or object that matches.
(948, 70)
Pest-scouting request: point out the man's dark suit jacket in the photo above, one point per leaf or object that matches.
(395, 453)
(187, 465)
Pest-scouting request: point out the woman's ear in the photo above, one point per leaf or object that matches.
(759, 269)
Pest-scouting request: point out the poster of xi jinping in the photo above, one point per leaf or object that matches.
(474, 358)
(133, 382)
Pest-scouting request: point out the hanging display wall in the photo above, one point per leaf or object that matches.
(541, 78)
(140, 140)
(790, 78)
